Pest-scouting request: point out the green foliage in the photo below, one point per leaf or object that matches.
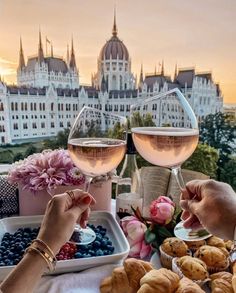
(30, 150)
(204, 160)
(60, 141)
(147, 120)
(18, 157)
(136, 120)
(6, 156)
(228, 172)
(117, 131)
(219, 131)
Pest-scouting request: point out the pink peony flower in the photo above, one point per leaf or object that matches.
(43, 171)
(135, 231)
(162, 210)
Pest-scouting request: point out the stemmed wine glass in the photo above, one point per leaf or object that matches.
(175, 135)
(94, 151)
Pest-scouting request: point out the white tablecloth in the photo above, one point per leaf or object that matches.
(87, 281)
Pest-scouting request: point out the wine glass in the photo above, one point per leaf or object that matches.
(175, 135)
(93, 149)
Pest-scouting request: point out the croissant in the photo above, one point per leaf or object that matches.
(161, 281)
(126, 279)
(221, 283)
(188, 286)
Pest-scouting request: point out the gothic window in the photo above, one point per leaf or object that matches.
(34, 125)
(113, 82)
(42, 124)
(31, 106)
(121, 85)
(62, 106)
(17, 117)
(12, 106)
(40, 107)
(68, 124)
(52, 106)
(35, 107)
(106, 107)
(125, 86)
(25, 106)
(61, 124)
(52, 125)
(43, 106)
(15, 126)
(59, 107)
(69, 107)
(25, 126)
(1, 107)
(16, 106)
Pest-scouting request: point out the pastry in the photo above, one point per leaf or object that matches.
(228, 244)
(216, 241)
(126, 279)
(192, 268)
(188, 286)
(194, 245)
(170, 248)
(161, 281)
(215, 259)
(221, 283)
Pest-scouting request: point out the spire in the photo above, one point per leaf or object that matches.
(51, 50)
(162, 68)
(103, 82)
(141, 76)
(67, 55)
(40, 49)
(114, 29)
(72, 56)
(21, 57)
(176, 72)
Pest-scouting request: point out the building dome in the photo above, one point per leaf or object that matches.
(114, 48)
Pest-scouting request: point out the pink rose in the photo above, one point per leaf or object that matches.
(135, 231)
(162, 210)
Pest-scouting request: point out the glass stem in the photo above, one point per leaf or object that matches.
(87, 183)
(179, 178)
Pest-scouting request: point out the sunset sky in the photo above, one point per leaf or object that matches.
(199, 33)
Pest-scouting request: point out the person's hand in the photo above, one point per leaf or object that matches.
(211, 204)
(61, 216)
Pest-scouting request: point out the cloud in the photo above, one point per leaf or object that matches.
(5, 61)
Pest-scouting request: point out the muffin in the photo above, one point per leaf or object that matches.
(192, 268)
(215, 258)
(215, 241)
(170, 248)
(194, 245)
(228, 245)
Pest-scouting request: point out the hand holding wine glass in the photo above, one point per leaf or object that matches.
(90, 146)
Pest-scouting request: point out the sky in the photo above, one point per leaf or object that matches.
(200, 34)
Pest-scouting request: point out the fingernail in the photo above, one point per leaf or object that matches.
(87, 200)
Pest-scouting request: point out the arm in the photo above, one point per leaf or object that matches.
(61, 214)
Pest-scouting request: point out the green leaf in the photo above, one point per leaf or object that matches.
(149, 237)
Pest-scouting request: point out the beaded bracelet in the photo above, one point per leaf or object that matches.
(44, 255)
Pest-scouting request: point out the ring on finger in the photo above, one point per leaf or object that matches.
(71, 195)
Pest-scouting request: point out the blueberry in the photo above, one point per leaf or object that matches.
(104, 242)
(96, 244)
(27, 230)
(2, 264)
(19, 247)
(87, 255)
(103, 233)
(99, 252)
(99, 237)
(92, 252)
(110, 248)
(109, 242)
(78, 255)
(9, 263)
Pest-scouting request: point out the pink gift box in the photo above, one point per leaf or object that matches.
(35, 203)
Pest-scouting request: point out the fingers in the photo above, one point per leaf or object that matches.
(83, 220)
(190, 206)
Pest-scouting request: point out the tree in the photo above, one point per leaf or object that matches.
(18, 157)
(219, 131)
(228, 173)
(30, 150)
(204, 160)
(147, 120)
(60, 141)
(6, 157)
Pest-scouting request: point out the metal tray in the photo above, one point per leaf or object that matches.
(105, 219)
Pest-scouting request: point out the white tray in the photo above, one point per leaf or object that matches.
(105, 219)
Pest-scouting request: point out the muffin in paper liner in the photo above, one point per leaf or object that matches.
(178, 271)
(166, 259)
(213, 270)
(194, 245)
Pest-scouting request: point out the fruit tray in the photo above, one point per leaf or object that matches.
(105, 219)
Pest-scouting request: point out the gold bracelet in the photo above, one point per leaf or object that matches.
(50, 263)
(45, 245)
